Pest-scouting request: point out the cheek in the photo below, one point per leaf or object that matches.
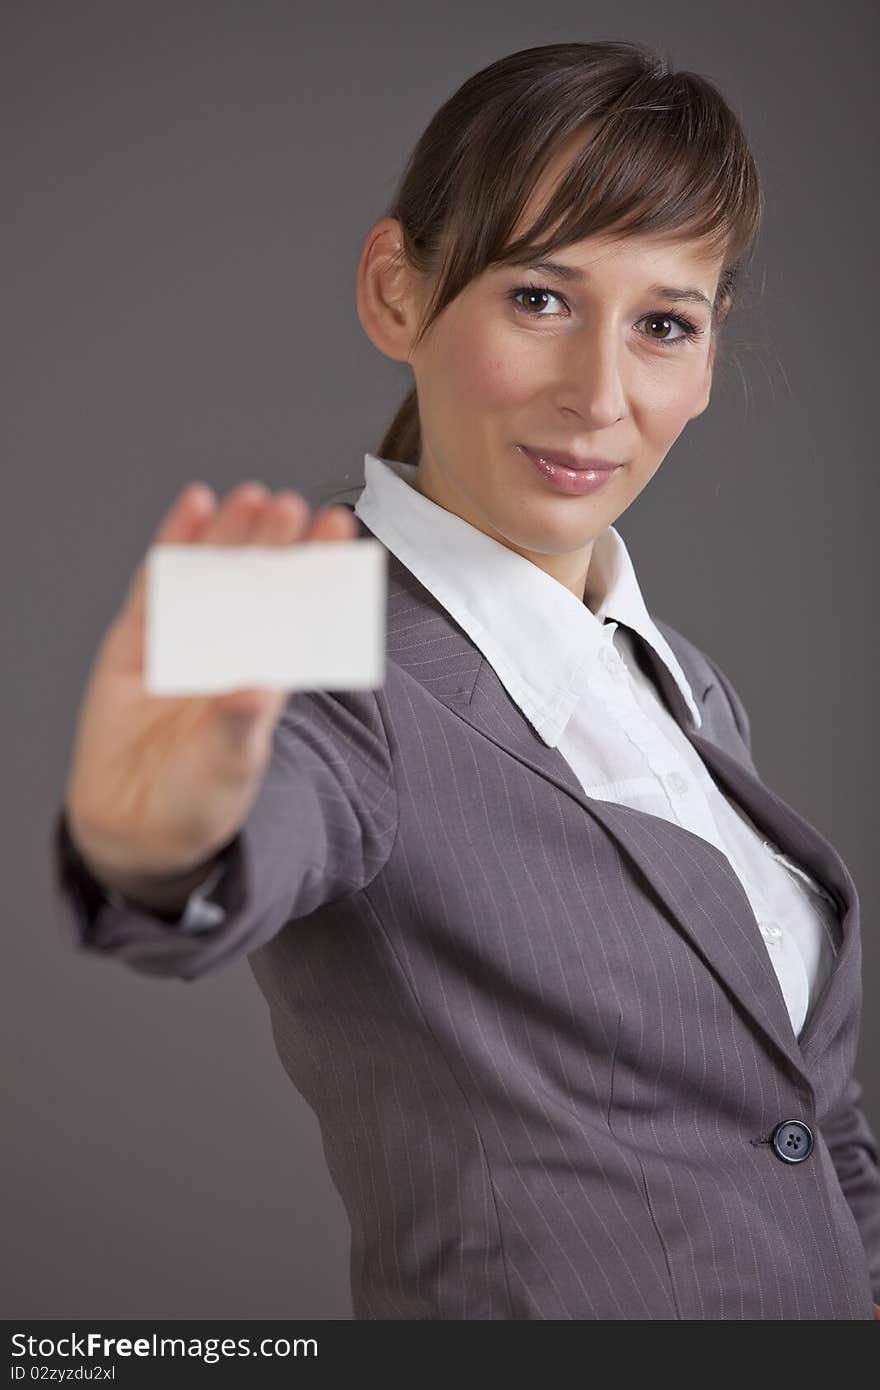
(484, 374)
(664, 412)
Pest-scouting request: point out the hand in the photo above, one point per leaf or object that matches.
(877, 1312)
(158, 784)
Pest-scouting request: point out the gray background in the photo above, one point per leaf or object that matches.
(187, 188)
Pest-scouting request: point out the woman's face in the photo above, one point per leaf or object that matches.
(596, 367)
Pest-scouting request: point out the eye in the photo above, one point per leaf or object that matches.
(689, 330)
(534, 292)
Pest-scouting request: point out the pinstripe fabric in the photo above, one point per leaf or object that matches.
(541, 1032)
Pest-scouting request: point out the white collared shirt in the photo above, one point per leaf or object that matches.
(571, 671)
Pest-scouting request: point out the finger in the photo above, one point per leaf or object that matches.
(183, 523)
(333, 523)
(290, 518)
(239, 513)
(285, 521)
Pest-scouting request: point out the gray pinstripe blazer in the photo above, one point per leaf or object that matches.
(541, 1033)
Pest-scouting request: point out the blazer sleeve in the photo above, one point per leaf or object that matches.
(854, 1152)
(200, 910)
(851, 1141)
(321, 827)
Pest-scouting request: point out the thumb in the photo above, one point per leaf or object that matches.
(261, 705)
(182, 523)
(247, 722)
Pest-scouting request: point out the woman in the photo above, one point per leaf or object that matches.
(574, 995)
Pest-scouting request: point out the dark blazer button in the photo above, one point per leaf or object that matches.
(793, 1141)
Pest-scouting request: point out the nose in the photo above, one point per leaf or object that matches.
(591, 383)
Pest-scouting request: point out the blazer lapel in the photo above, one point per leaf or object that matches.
(795, 836)
(424, 639)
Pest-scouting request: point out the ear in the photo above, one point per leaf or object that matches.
(387, 302)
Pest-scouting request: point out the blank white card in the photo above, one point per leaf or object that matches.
(297, 617)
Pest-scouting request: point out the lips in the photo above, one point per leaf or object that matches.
(568, 460)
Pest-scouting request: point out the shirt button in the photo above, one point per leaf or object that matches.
(793, 1141)
(771, 930)
(610, 660)
(676, 783)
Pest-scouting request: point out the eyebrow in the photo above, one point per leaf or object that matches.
(571, 274)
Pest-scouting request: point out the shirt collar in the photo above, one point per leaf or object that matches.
(509, 607)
